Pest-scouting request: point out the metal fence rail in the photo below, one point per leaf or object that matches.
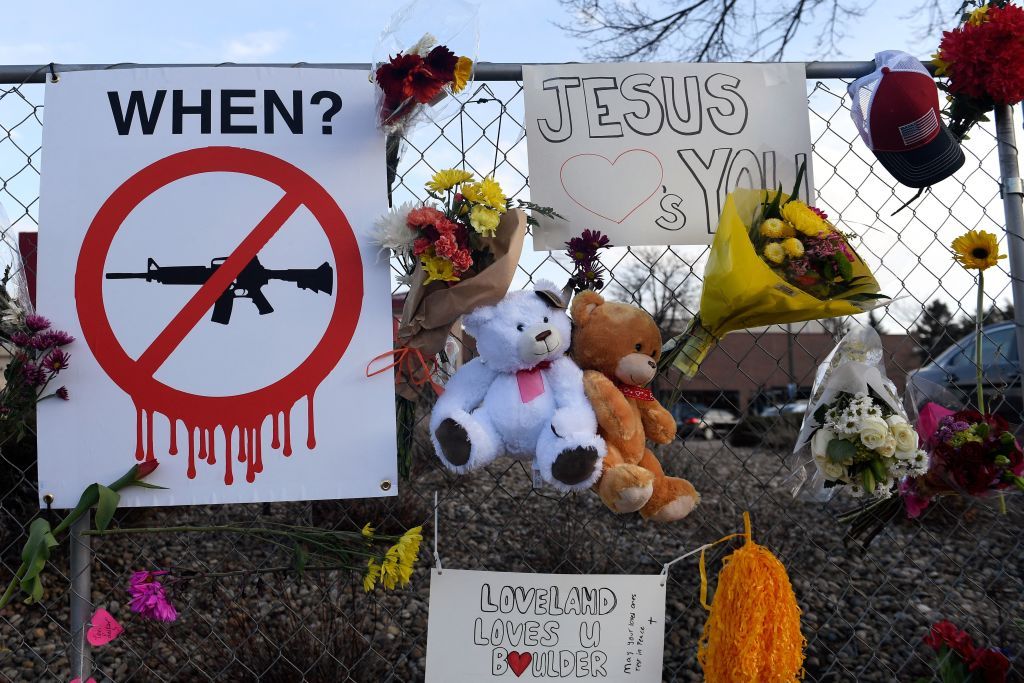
(864, 613)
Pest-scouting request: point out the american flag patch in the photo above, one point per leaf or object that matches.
(916, 131)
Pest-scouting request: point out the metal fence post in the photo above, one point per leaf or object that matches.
(81, 597)
(1012, 191)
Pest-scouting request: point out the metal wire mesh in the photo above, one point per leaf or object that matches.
(864, 612)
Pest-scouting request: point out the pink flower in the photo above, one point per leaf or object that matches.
(420, 245)
(63, 394)
(149, 597)
(50, 339)
(33, 374)
(36, 322)
(446, 245)
(21, 339)
(462, 260)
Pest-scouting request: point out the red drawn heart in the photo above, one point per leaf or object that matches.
(518, 661)
(595, 183)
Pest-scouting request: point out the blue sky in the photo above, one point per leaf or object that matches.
(262, 31)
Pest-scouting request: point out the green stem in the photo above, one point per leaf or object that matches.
(977, 341)
(13, 585)
(267, 570)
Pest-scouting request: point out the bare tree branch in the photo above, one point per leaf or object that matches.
(721, 30)
(661, 282)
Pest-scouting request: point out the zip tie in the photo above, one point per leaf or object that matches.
(54, 78)
(437, 557)
(664, 567)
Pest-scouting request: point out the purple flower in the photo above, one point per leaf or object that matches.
(33, 374)
(63, 394)
(49, 339)
(960, 426)
(36, 322)
(21, 339)
(149, 597)
(57, 360)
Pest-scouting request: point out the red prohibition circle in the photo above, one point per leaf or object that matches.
(301, 190)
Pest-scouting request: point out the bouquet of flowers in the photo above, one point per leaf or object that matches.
(858, 432)
(784, 263)
(971, 454)
(419, 76)
(981, 62)
(960, 660)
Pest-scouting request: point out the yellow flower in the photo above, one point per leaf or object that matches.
(438, 269)
(368, 530)
(793, 247)
(941, 65)
(484, 220)
(774, 252)
(448, 178)
(803, 219)
(463, 70)
(976, 249)
(372, 574)
(773, 228)
(978, 16)
(488, 192)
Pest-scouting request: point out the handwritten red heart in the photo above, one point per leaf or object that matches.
(610, 189)
(518, 661)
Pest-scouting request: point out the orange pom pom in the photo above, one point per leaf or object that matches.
(752, 634)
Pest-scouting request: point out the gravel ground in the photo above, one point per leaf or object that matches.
(864, 613)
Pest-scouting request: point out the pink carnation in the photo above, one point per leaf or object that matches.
(423, 217)
(446, 245)
(462, 260)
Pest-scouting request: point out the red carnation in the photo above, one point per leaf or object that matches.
(424, 216)
(462, 260)
(945, 633)
(992, 663)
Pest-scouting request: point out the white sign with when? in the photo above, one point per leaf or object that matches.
(487, 626)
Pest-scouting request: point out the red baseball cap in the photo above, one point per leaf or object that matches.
(896, 111)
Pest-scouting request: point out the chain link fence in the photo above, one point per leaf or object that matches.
(864, 612)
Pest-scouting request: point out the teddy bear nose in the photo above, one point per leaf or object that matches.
(652, 364)
(543, 335)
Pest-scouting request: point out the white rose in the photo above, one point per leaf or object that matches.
(873, 431)
(819, 442)
(906, 437)
(831, 469)
(888, 447)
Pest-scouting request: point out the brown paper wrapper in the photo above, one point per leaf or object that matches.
(431, 310)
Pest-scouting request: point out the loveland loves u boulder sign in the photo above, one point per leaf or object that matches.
(646, 153)
(496, 625)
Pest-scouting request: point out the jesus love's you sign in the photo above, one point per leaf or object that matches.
(503, 626)
(203, 235)
(646, 153)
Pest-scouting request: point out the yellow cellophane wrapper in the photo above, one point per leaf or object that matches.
(742, 291)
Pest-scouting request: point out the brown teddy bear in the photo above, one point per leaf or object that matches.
(618, 347)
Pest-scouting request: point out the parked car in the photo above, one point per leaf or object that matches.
(796, 407)
(950, 379)
(696, 419)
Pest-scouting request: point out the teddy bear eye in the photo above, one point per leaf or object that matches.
(520, 327)
(638, 347)
(545, 319)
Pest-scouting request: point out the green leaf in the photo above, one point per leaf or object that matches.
(799, 178)
(828, 271)
(839, 450)
(147, 485)
(772, 211)
(301, 557)
(106, 506)
(845, 267)
(35, 555)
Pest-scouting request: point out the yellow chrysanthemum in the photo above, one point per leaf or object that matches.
(448, 178)
(372, 574)
(463, 71)
(484, 220)
(774, 252)
(793, 247)
(437, 269)
(941, 65)
(368, 530)
(976, 249)
(773, 228)
(803, 219)
(978, 16)
(488, 192)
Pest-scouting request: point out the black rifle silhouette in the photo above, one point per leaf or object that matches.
(248, 285)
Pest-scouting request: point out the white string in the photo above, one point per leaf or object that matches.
(437, 557)
(664, 568)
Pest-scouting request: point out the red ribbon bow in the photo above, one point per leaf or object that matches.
(411, 362)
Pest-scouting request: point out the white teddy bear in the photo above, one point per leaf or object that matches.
(522, 396)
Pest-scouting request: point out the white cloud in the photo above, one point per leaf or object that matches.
(254, 45)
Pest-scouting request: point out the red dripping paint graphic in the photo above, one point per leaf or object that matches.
(236, 420)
